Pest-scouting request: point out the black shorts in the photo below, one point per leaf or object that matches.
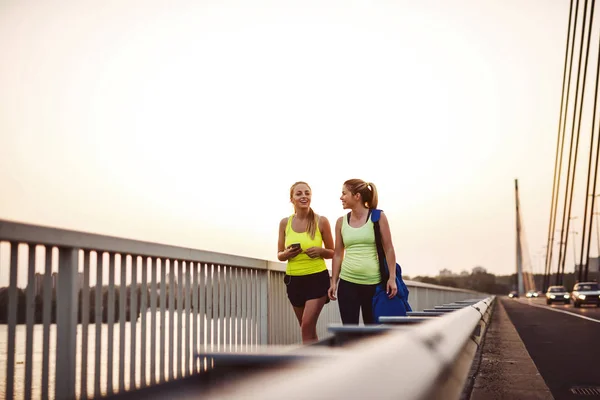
(306, 287)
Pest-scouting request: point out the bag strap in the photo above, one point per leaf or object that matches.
(375, 215)
(383, 271)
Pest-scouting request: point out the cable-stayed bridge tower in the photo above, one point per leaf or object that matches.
(525, 281)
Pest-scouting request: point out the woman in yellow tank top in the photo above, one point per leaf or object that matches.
(301, 239)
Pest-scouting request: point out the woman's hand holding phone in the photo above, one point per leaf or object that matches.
(293, 250)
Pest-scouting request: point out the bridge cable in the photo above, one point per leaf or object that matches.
(571, 185)
(593, 194)
(559, 150)
(564, 123)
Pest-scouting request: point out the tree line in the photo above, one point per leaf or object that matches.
(489, 283)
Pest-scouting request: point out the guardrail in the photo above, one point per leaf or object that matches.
(427, 360)
(88, 315)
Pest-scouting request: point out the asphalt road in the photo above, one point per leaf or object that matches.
(563, 342)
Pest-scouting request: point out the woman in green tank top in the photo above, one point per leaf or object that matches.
(355, 263)
(301, 239)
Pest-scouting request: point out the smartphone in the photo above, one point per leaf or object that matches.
(295, 245)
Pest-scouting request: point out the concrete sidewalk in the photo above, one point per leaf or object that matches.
(506, 370)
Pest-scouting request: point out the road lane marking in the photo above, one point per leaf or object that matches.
(561, 311)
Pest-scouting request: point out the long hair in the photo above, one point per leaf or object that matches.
(313, 219)
(367, 191)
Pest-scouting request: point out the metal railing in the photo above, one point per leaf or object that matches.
(428, 359)
(87, 315)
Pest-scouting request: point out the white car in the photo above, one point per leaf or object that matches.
(531, 293)
(557, 294)
(586, 293)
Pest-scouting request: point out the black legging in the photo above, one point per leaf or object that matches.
(352, 298)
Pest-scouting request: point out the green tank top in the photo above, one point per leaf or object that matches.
(302, 264)
(360, 264)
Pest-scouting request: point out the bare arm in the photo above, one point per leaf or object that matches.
(325, 228)
(338, 257)
(338, 253)
(388, 247)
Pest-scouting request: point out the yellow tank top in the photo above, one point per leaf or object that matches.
(302, 264)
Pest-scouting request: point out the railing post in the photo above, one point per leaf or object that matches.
(66, 323)
(270, 317)
(264, 307)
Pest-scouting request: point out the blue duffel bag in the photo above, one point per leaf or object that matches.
(383, 306)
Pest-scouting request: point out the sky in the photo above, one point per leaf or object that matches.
(186, 122)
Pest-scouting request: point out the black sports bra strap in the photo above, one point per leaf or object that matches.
(368, 216)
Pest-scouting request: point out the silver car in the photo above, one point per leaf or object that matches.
(557, 294)
(586, 293)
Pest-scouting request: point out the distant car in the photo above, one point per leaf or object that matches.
(513, 294)
(531, 293)
(586, 293)
(557, 294)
